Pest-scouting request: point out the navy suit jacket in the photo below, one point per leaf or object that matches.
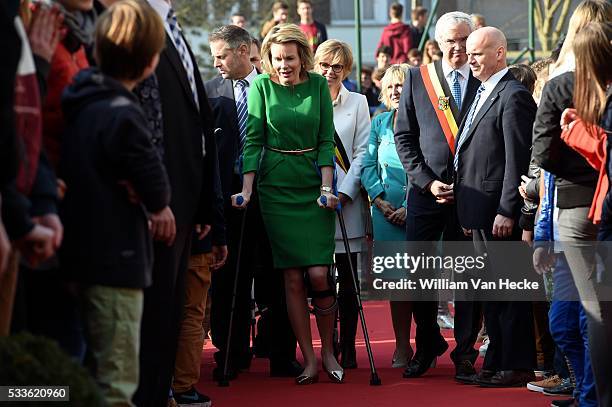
(494, 155)
(419, 139)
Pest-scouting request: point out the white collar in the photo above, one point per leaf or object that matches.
(464, 70)
(249, 78)
(161, 7)
(342, 95)
(494, 79)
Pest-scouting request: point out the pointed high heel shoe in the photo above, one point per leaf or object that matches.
(336, 376)
(303, 379)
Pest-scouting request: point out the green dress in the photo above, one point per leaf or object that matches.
(292, 118)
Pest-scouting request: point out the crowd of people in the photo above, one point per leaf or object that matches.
(144, 209)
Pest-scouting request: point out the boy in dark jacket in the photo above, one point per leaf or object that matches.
(117, 190)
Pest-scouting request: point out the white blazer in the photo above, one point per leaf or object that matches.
(352, 123)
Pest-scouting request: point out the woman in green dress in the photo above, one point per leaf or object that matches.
(290, 145)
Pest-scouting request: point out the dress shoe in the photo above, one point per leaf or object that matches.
(484, 377)
(303, 380)
(421, 363)
(336, 376)
(285, 368)
(564, 403)
(348, 360)
(510, 378)
(465, 372)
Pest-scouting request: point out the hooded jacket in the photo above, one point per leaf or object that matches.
(107, 141)
(398, 36)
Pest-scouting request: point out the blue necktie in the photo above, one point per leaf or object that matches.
(181, 48)
(468, 124)
(456, 89)
(242, 113)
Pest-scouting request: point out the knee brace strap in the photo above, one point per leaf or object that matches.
(325, 311)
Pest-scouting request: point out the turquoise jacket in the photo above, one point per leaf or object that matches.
(382, 174)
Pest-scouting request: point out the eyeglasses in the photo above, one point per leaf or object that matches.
(337, 68)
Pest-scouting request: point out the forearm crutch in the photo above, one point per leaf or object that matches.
(374, 379)
(224, 381)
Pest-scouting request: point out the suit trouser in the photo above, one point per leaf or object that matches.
(429, 225)
(509, 325)
(8, 286)
(163, 310)
(576, 233)
(191, 339)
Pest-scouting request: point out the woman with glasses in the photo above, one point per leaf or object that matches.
(334, 60)
(384, 178)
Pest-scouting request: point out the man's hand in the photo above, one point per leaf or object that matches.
(502, 226)
(44, 31)
(163, 226)
(5, 249)
(543, 261)
(442, 192)
(398, 217)
(466, 232)
(53, 222)
(384, 206)
(131, 192)
(37, 246)
(202, 231)
(219, 257)
(344, 198)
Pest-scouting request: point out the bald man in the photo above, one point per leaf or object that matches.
(492, 151)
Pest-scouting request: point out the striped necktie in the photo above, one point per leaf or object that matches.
(456, 89)
(242, 112)
(468, 124)
(181, 48)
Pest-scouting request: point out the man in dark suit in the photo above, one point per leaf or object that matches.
(189, 156)
(230, 47)
(424, 138)
(493, 150)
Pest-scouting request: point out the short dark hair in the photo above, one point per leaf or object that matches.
(305, 1)
(256, 42)
(385, 49)
(525, 75)
(128, 36)
(415, 53)
(366, 70)
(417, 12)
(232, 35)
(279, 5)
(396, 10)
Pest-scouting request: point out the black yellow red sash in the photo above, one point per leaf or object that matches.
(341, 157)
(440, 103)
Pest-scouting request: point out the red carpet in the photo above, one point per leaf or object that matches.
(437, 388)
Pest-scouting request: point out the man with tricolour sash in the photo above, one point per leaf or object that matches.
(434, 101)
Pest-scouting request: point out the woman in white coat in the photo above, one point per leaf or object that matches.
(334, 60)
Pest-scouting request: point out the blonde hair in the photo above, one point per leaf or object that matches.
(586, 12)
(394, 74)
(286, 34)
(593, 54)
(128, 36)
(338, 52)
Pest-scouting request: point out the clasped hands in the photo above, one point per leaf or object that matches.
(392, 215)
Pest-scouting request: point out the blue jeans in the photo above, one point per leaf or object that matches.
(568, 327)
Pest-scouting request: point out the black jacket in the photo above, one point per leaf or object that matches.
(106, 140)
(494, 155)
(605, 232)
(575, 179)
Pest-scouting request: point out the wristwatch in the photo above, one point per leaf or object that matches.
(326, 188)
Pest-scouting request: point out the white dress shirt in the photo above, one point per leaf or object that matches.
(249, 78)
(489, 85)
(464, 76)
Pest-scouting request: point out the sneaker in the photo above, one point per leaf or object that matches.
(482, 351)
(563, 388)
(540, 385)
(564, 403)
(192, 398)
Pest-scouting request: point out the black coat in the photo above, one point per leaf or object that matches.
(420, 141)
(494, 155)
(575, 179)
(106, 140)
